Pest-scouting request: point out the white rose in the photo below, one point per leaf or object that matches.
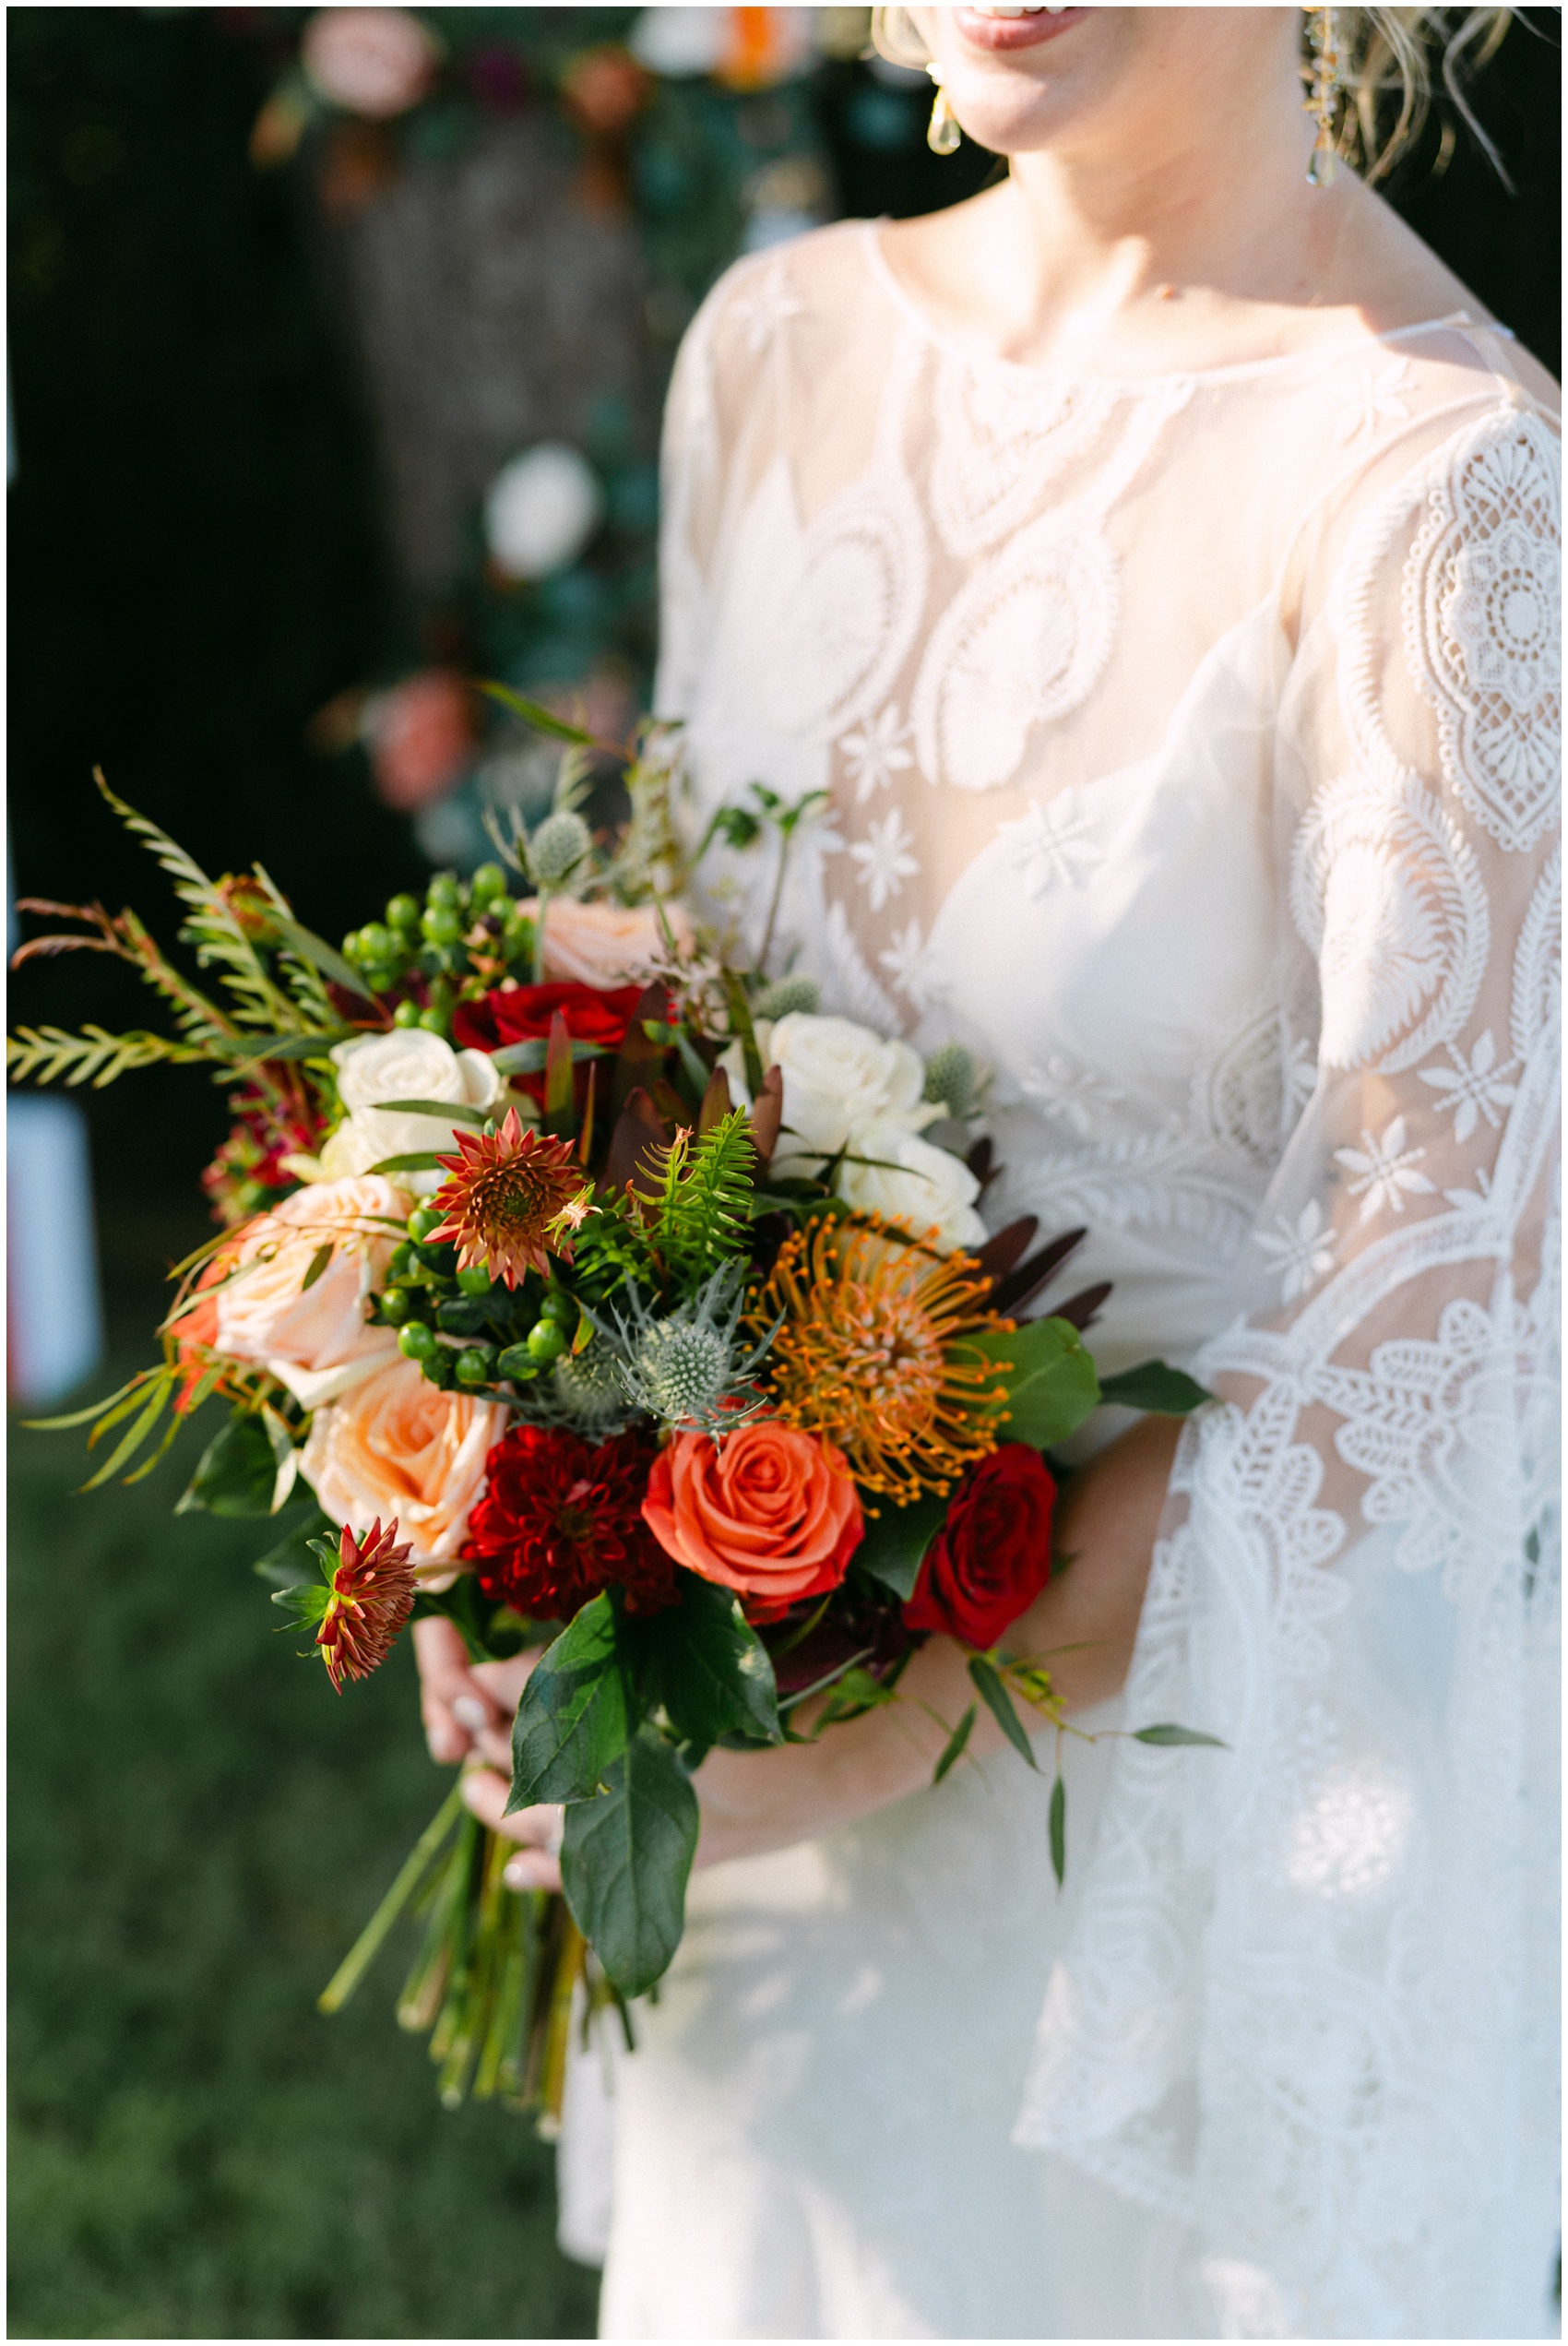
(909, 1180)
(408, 1064)
(837, 1075)
(541, 510)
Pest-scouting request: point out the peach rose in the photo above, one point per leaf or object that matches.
(605, 944)
(395, 1445)
(313, 1340)
(770, 1512)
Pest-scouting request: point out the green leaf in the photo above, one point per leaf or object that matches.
(705, 1663)
(539, 718)
(528, 1058)
(1155, 1386)
(624, 1862)
(318, 1263)
(1051, 1382)
(253, 1048)
(238, 1472)
(1058, 1831)
(575, 1717)
(1169, 1734)
(291, 1561)
(307, 1602)
(451, 1111)
(999, 1702)
(895, 1542)
(954, 1750)
(319, 953)
(417, 1161)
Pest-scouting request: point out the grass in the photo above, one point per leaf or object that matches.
(199, 1829)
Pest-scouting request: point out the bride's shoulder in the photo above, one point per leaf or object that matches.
(821, 278)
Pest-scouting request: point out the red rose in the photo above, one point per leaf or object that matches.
(992, 1557)
(562, 1518)
(523, 1013)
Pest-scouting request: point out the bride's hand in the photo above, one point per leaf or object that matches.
(466, 1706)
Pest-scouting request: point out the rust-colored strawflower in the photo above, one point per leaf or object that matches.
(875, 1351)
(373, 1595)
(512, 1199)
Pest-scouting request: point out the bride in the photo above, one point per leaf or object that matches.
(1156, 560)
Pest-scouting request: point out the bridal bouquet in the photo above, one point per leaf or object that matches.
(599, 1294)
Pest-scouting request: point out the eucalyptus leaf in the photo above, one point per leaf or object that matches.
(238, 1472)
(1051, 1382)
(624, 1860)
(1170, 1734)
(1157, 1388)
(575, 1717)
(953, 1749)
(999, 1702)
(1058, 1831)
(895, 1542)
(705, 1663)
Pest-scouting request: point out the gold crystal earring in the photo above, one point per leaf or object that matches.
(943, 135)
(1326, 88)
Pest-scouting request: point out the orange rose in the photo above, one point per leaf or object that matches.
(770, 1512)
(397, 1446)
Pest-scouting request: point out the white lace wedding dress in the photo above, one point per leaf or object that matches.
(1192, 748)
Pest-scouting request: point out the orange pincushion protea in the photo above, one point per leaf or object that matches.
(373, 1595)
(872, 1352)
(512, 1199)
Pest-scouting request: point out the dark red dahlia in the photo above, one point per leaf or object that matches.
(560, 1519)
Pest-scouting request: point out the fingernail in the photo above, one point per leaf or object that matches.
(518, 1874)
(470, 1712)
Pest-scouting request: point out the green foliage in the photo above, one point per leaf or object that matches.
(895, 1542)
(44, 1054)
(1051, 1383)
(1155, 1386)
(703, 1663)
(700, 1207)
(1168, 1734)
(240, 1469)
(576, 1715)
(999, 1702)
(625, 1859)
(953, 1751)
(1058, 1831)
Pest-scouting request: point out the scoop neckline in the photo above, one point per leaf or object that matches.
(882, 267)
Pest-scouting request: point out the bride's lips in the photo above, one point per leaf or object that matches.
(1024, 32)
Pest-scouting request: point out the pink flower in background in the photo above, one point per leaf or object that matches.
(421, 738)
(372, 61)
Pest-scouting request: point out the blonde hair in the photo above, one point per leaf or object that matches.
(1388, 50)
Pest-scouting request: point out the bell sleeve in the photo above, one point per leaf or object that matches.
(1306, 2005)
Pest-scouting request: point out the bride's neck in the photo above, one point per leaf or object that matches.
(1188, 229)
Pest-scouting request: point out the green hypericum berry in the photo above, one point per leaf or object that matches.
(517, 1362)
(396, 1304)
(351, 946)
(546, 1341)
(401, 1261)
(377, 943)
(439, 1369)
(444, 889)
(403, 913)
(560, 1306)
(443, 924)
(487, 883)
(476, 1365)
(416, 1342)
(422, 1220)
(440, 995)
(436, 1021)
(407, 1014)
(476, 1280)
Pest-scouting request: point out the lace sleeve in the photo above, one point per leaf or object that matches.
(1306, 2004)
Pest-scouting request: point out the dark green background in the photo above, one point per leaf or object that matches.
(197, 1827)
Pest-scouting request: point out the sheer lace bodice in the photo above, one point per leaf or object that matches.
(1190, 751)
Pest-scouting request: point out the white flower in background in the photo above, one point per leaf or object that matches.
(1384, 1170)
(877, 754)
(408, 1064)
(376, 62)
(892, 1172)
(836, 1075)
(679, 43)
(1473, 1090)
(1302, 1249)
(541, 510)
(884, 859)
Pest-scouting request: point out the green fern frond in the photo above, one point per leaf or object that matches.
(702, 1206)
(47, 1055)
